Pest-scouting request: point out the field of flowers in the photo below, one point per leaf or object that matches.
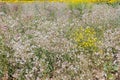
(60, 41)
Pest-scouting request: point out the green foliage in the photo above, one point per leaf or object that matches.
(115, 4)
(109, 66)
(6, 54)
(49, 60)
(81, 7)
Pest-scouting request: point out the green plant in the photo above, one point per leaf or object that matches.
(81, 7)
(109, 66)
(114, 4)
(6, 54)
(49, 60)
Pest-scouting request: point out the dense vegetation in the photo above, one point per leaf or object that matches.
(59, 41)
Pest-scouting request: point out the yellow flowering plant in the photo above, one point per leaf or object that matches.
(85, 38)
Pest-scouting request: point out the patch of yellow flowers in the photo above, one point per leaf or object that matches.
(85, 38)
(71, 1)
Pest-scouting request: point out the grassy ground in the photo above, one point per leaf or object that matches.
(59, 41)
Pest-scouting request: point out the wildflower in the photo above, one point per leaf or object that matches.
(85, 38)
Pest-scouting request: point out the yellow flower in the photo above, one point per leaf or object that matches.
(85, 37)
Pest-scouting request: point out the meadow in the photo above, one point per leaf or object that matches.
(60, 41)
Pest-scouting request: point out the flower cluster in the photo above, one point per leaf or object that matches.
(85, 38)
